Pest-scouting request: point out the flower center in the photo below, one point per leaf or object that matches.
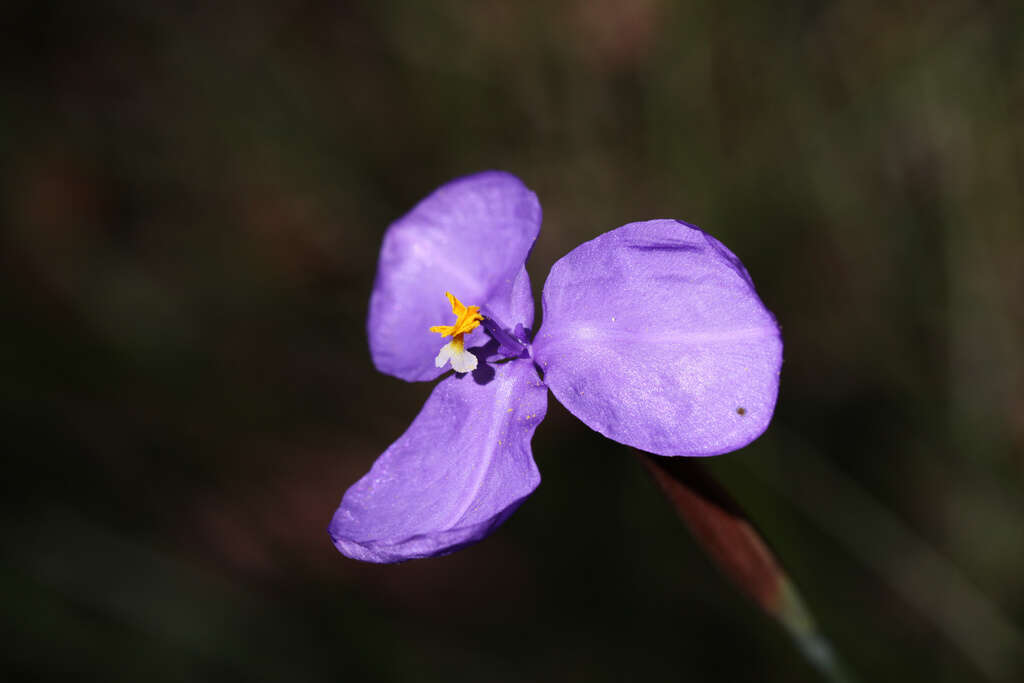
(468, 318)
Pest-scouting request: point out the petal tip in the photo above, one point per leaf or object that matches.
(421, 546)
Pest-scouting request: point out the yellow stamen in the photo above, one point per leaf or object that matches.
(467, 319)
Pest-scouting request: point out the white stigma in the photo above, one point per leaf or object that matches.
(455, 351)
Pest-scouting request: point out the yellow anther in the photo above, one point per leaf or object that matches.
(468, 319)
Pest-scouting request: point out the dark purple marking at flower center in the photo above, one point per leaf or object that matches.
(510, 344)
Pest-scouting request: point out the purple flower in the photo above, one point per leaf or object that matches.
(652, 335)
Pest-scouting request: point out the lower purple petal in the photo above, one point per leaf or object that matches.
(462, 467)
(654, 336)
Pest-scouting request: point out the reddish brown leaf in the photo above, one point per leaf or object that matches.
(720, 527)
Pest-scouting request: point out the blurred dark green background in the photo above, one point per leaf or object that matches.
(193, 198)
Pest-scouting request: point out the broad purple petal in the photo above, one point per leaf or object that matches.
(654, 336)
(462, 467)
(470, 237)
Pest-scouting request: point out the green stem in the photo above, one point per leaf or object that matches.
(794, 616)
(734, 544)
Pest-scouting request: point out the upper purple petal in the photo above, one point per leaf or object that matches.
(654, 336)
(462, 467)
(470, 237)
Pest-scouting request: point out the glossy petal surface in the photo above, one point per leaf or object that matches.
(654, 336)
(462, 467)
(470, 237)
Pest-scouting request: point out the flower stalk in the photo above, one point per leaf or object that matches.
(733, 543)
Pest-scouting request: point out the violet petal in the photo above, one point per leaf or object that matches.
(470, 237)
(654, 336)
(462, 467)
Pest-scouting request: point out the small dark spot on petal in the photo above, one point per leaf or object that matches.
(741, 411)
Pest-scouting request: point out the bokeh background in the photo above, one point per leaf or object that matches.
(193, 199)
